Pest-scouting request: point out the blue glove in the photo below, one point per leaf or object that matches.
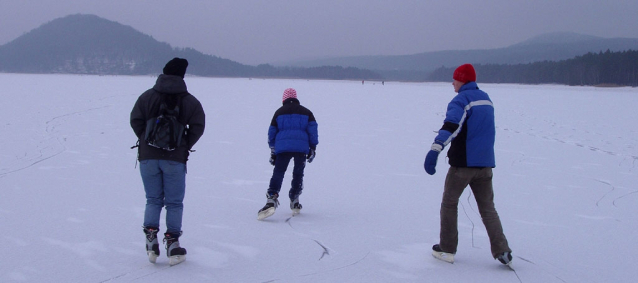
(273, 156)
(430, 162)
(431, 157)
(311, 155)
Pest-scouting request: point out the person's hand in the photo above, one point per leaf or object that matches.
(431, 157)
(311, 155)
(273, 156)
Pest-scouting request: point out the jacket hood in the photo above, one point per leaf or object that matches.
(170, 84)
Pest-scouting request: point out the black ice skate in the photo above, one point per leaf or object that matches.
(175, 253)
(268, 209)
(295, 206)
(438, 253)
(505, 258)
(152, 246)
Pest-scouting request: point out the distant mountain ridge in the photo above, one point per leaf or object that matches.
(557, 38)
(88, 44)
(547, 47)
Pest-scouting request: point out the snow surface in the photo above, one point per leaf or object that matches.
(72, 202)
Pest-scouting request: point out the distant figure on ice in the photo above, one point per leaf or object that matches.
(469, 126)
(292, 134)
(164, 109)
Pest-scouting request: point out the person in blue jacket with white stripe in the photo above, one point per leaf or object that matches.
(470, 130)
(292, 135)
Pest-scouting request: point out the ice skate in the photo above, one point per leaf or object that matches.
(506, 259)
(152, 246)
(268, 209)
(438, 253)
(175, 253)
(295, 206)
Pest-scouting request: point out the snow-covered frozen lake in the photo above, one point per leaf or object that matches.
(72, 202)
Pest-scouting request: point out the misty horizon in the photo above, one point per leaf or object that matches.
(254, 32)
(310, 58)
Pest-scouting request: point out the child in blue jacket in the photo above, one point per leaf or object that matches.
(292, 135)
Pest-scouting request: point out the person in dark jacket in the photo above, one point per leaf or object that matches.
(164, 172)
(469, 127)
(292, 135)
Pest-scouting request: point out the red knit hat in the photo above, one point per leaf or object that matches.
(465, 73)
(289, 93)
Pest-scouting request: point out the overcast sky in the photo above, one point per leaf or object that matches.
(265, 31)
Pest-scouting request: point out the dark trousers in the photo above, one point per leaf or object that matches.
(480, 181)
(281, 164)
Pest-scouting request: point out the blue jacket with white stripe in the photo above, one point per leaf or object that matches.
(469, 126)
(293, 128)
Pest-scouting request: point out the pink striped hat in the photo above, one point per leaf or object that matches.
(289, 93)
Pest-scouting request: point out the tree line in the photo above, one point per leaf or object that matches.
(592, 69)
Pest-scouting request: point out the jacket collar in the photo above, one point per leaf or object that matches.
(291, 101)
(469, 86)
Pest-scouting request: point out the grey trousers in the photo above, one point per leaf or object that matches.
(480, 181)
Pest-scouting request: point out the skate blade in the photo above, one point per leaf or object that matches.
(509, 265)
(266, 213)
(447, 257)
(152, 257)
(296, 211)
(176, 259)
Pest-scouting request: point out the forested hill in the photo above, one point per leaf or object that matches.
(551, 47)
(88, 44)
(602, 68)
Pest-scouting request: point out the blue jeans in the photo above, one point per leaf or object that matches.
(165, 185)
(281, 164)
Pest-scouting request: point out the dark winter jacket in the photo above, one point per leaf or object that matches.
(293, 128)
(469, 126)
(191, 115)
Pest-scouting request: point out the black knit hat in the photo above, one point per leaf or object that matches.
(176, 67)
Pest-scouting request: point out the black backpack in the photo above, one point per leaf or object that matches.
(165, 131)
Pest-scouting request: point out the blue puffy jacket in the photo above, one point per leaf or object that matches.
(469, 126)
(293, 128)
